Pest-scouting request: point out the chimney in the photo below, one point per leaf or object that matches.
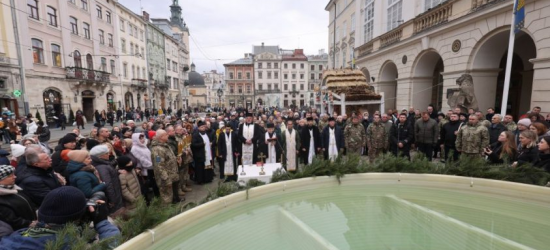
(145, 16)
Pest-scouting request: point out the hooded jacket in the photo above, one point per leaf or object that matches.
(81, 178)
(109, 176)
(142, 154)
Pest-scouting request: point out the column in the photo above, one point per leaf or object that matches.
(541, 88)
(404, 94)
(485, 85)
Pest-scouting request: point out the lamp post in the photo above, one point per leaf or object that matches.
(220, 94)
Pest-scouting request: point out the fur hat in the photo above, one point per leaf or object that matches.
(62, 205)
(78, 155)
(99, 150)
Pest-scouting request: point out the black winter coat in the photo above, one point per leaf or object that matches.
(401, 134)
(494, 157)
(222, 148)
(544, 162)
(528, 156)
(113, 189)
(17, 210)
(36, 182)
(494, 132)
(447, 134)
(58, 164)
(339, 136)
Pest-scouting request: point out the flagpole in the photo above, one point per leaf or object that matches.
(508, 72)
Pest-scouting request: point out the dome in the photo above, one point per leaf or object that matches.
(195, 79)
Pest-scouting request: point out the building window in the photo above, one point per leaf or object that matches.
(123, 45)
(269, 65)
(320, 76)
(276, 75)
(125, 70)
(302, 76)
(142, 53)
(168, 64)
(84, 4)
(135, 31)
(320, 67)
(239, 75)
(293, 76)
(285, 76)
(141, 35)
(108, 16)
(293, 66)
(345, 30)
(260, 75)
(37, 51)
(175, 67)
(260, 86)
(99, 12)
(56, 55)
(72, 1)
(74, 25)
(248, 75)
(122, 25)
(312, 76)
(269, 75)
(369, 21)
(137, 50)
(302, 66)
(301, 87)
(133, 72)
(276, 65)
(130, 29)
(276, 86)
(240, 88)
(352, 24)
(113, 67)
(343, 58)
(110, 39)
(285, 87)
(103, 64)
(101, 37)
(269, 86)
(90, 61)
(132, 49)
(33, 9)
(230, 75)
(52, 16)
(231, 89)
(248, 89)
(285, 66)
(260, 65)
(428, 4)
(394, 14)
(77, 59)
(312, 67)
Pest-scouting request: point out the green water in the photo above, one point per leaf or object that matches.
(371, 217)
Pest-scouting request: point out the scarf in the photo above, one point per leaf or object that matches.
(42, 229)
(9, 189)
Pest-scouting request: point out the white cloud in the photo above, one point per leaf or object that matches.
(226, 29)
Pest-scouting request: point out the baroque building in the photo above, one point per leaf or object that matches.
(413, 52)
(239, 77)
(267, 79)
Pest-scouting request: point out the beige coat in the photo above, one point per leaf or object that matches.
(131, 190)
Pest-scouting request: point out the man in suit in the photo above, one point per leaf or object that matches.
(311, 141)
(249, 136)
(333, 140)
(227, 147)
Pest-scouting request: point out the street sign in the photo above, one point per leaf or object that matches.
(17, 93)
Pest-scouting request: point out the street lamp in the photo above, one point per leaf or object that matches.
(220, 94)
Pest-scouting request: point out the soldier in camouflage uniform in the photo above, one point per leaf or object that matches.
(509, 123)
(355, 136)
(165, 166)
(323, 122)
(186, 156)
(377, 138)
(472, 138)
(482, 119)
(173, 144)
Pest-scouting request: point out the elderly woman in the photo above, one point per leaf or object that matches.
(16, 209)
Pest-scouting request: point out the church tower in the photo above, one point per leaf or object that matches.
(176, 19)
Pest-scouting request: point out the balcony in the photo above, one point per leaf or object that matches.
(87, 75)
(433, 17)
(161, 86)
(140, 84)
(391, 37)
(268, 91)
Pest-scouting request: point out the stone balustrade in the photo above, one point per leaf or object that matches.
(391, 37)
(433, 17)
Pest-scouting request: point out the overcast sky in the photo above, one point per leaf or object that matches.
(226, 29)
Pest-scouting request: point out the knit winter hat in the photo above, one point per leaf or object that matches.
(62, 205)
(99, 150)
(152, 134)
(525, 122)
(91, 143)
(65, 154)
(78, 155)
(5, 171)
(67, 139)
(17, 150)
(123, 161)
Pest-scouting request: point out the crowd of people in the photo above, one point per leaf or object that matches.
(86, 179)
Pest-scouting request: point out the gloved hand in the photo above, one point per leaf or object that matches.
(100, 214)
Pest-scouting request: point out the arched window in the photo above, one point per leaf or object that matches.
(37, 51)
(77, 59)
(56, 55)
(52, 16)
(90, 61)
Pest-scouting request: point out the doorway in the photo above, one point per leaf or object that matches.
(88, 108)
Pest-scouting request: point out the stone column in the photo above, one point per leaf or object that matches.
(389, 88)
(485, 85)
(541, 88)
(404, 96)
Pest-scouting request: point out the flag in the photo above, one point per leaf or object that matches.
(520, 15)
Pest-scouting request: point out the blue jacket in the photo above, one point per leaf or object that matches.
(17, 241)
(87, 182)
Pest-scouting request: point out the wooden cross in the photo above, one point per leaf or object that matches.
(262, 157)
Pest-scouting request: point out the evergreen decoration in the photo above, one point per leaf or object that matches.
(80, 237)
(71, 117)
(147, 217)
(37, 116)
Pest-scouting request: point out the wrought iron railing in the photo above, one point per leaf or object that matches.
(87, 75)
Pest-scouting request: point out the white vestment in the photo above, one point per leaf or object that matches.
(271, 151)
(332, 148)
(248, 150)
(229, 167)
(311, 147)
(208, 151)
(290, 150)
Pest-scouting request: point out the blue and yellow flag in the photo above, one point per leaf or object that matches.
(520, 15)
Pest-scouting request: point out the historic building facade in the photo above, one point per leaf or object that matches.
(294, 82)
(215, 85)
(239, 77)
(156, 65)
(343, 19)
(11, 76)
(317, 64)
(414, 57)
(267, 79)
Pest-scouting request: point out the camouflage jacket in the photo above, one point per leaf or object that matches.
(165, 163)
(322, 125)
(512, 126)
(377, 136)
(472, 139)
(355, 136)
